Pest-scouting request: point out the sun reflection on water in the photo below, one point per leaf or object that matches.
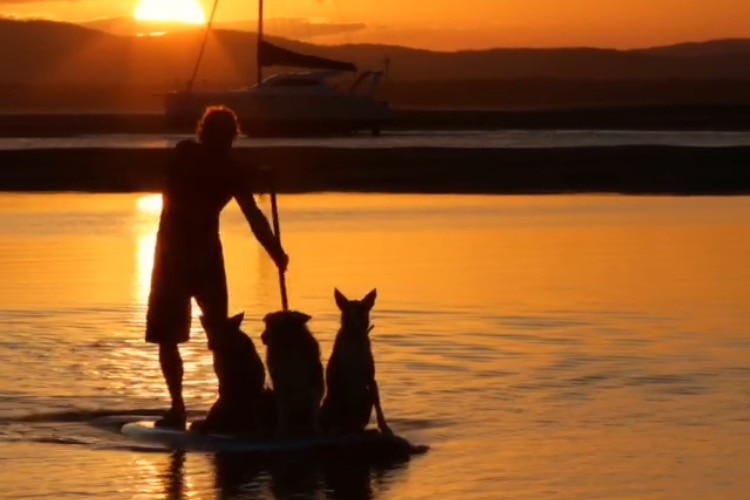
(198, 385)
(148, 208)
(144, 265)
(149, 204)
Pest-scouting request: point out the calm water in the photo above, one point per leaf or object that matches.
(546, 347)
(472, 139)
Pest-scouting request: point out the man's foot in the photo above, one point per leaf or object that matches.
(174, 418)
(199, 426)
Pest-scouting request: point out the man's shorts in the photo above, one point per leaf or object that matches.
(180, 273)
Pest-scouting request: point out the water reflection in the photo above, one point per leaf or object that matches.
(598, 334)
(171, 482)
(149, 204)
(144, 263)
(175, 486)
(238, 476)
(145, 226)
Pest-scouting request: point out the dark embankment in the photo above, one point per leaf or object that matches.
(637, 169)
(706, 117)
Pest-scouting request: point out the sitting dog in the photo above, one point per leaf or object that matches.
(242, 406)
(350, 375)
(293, 360)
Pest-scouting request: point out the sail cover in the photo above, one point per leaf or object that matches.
(271, 55)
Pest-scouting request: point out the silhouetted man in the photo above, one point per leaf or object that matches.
(188, 259)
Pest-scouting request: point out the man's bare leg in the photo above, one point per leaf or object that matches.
(171, 367)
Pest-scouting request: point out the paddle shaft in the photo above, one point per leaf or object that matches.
(277, 232)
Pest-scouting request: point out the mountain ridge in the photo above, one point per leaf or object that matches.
(64, 65)
(93, 56)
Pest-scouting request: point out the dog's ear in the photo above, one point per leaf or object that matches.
(237, 319)
(369, 300)
(341, 301)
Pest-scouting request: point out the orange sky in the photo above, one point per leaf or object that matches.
(451, 24)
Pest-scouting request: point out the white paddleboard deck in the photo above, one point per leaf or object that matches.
(369, 442)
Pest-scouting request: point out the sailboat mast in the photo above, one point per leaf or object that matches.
(260, 41)
(191, 82)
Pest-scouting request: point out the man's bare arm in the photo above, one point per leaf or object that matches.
(262, 229)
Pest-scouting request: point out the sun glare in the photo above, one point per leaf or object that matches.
(180, 11)
(149, 204)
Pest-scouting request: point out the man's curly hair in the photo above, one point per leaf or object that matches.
(218, 124)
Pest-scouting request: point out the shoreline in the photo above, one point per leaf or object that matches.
(648, 170)
(648, 118)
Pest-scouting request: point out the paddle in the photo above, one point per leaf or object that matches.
(277, 232)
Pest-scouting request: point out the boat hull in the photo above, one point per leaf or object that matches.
(269, 115)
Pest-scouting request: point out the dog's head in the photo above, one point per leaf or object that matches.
(283, 327)
(223, 332)
(355, 314)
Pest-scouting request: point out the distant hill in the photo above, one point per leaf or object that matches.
(712, 48)
(70, 53)
(38, 55)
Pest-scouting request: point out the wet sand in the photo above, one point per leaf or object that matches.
(627, 169)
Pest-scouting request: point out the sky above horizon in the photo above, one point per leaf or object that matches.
(451, 25)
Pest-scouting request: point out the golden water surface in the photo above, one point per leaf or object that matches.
(545, 347)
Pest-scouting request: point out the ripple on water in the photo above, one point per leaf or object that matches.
(544, 346)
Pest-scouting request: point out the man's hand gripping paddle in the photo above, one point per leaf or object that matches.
(277, 232)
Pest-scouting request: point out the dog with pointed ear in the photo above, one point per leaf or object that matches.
(241, 376)
(351, 389)
(293, 361)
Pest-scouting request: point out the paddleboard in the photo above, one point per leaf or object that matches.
(366, 444)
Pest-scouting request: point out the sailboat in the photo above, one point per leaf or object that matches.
(290, 102)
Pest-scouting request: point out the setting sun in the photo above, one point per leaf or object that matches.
(182, 11)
